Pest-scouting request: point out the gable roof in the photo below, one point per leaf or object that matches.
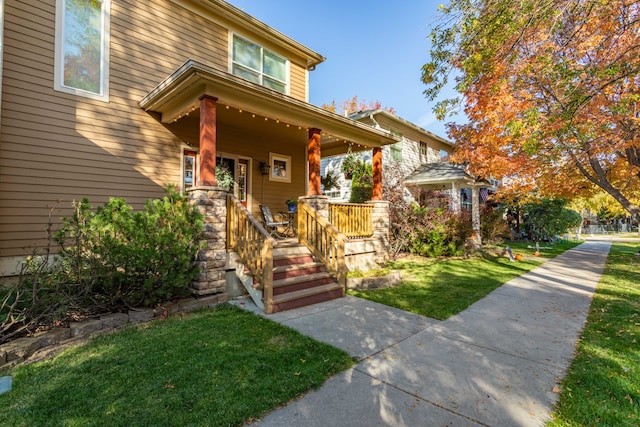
(442, 173)
(400, 121)
(237, 20)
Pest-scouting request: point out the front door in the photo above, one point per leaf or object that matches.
(240, 167)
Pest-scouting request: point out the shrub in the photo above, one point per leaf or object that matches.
(547, 218)
(493, 226)
(109, 259)
(362, 184)
(431, 232)
(136, 259)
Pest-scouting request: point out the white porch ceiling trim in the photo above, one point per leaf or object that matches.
(179, 93)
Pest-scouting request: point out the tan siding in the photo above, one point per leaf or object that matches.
(56, 147)
(298, 82)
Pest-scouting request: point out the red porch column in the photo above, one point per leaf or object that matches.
(208, 141)
(377, 173)
(314, 162)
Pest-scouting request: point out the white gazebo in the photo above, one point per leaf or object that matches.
(447, 176)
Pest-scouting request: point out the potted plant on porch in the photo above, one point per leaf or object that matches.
(292, 203)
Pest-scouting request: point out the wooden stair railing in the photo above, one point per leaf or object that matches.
(254, 245)
(324, 240)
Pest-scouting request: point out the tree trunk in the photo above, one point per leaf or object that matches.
(600, 179)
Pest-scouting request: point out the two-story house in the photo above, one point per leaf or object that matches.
(119, 98)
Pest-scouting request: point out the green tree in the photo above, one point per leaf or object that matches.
(362, 182)
(547, 218)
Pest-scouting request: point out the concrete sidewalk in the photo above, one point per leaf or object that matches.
(494, 364)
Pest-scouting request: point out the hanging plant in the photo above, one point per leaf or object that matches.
(350, 164)
(330, 181)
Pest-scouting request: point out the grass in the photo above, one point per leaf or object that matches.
(547, 250)
(602, 387)
(440, 288)
(220, 366)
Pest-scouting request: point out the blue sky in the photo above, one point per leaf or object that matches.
(374, 49)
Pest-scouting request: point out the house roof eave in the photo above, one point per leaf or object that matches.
(367, 113)
(231, 16)
(443, 173)
(179, 94)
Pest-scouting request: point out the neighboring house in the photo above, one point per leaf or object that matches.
(423, 159)
(119, 98)
(416, 147)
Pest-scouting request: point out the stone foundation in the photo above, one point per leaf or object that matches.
(380, 237)
(212, 259)
(319, 203)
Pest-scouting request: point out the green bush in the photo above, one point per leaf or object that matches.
(109, 259)
(546, 218)
(431, 232)
(132, 258)
(362, 183)
(493, 226)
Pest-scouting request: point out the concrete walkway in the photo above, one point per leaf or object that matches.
(494, 364)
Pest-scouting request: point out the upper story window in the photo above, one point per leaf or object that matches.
(424, 151)
(396, 149)
(256, 64)
(82, 48)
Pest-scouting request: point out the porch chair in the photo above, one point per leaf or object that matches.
(270, 224)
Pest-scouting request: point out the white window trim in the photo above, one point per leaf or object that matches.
(196, 169)
(287, 84)
(275, 157)
(58, 73)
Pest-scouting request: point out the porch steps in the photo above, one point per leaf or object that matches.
(298, 279)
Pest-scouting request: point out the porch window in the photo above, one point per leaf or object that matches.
(396, 149)
(82, 48)
(258, 65)
(188, 169)
(280, 167)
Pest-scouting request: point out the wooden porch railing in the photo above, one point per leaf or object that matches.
(254, 245)
(354, 220)
(324, 240)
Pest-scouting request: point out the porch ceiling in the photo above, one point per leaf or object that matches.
(178, 95)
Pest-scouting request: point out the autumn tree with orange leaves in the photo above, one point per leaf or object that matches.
(354, 105)
(551, 90)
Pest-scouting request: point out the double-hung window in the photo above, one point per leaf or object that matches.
(254, 63)
(82, 48)
(396, 149)
(424, 151)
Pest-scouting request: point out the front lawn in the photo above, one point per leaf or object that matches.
(440, 288)
(547, 250)
(221, 366)
(602, 386)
